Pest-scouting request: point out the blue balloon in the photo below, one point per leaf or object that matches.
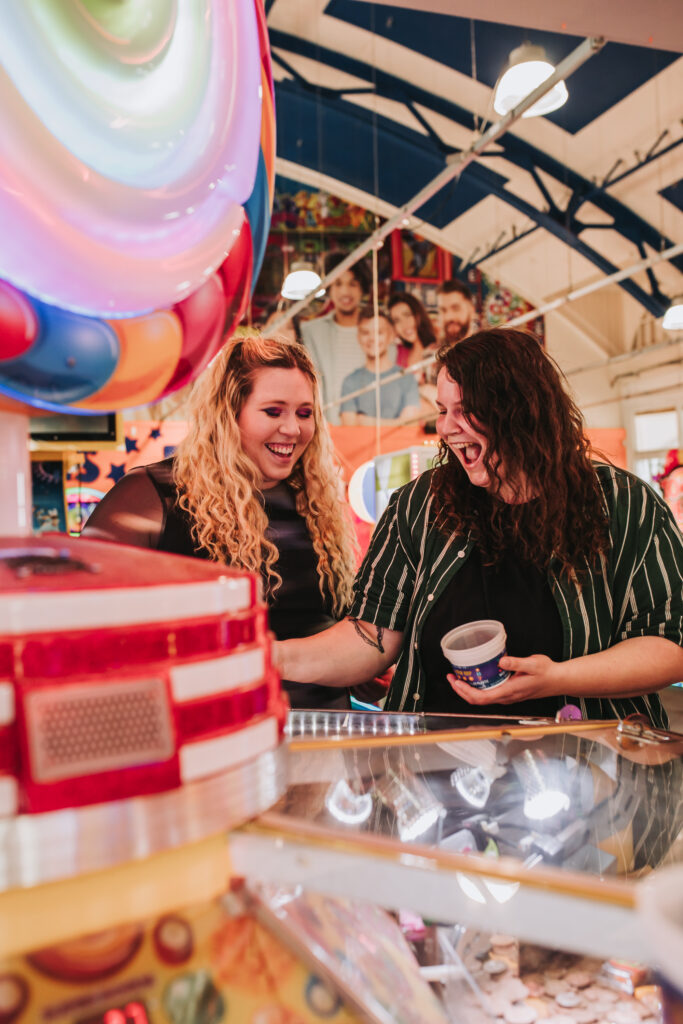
(257, 208)
(72, 357)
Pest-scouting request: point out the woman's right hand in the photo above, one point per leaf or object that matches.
(532, 678)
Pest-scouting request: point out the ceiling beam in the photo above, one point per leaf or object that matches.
(478, 175)
(626, 221)
(657, 24)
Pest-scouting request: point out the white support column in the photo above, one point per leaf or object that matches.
(15, 475)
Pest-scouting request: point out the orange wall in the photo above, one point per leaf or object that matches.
(146, 442)
(356, 445)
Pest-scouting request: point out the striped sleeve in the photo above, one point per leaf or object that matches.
(652, 603)
(384, 586)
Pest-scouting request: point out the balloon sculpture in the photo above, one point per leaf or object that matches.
(135, 193)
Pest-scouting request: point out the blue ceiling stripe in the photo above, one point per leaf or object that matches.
(404, 152)
(405, 156)
(674, 193)
(626, 221)
(603, 81)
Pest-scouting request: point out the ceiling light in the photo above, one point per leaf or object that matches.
(527, 68)
(673, 318)
(300, 282)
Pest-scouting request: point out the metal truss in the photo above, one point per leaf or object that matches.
(562, 221)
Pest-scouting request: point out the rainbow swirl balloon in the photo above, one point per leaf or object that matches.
(136, 187)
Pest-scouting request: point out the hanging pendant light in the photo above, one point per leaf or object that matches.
(300, 282)
(527, 67)
(673, 318)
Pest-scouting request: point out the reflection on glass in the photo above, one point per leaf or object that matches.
(557, 800)
(413, 803)
(347, 806)
(473, 784)
(543, 798)
(471, 887)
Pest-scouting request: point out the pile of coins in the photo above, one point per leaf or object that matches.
(524, 984)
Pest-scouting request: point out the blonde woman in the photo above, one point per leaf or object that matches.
(254, 485)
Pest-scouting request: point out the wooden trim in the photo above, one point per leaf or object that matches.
(272, 825)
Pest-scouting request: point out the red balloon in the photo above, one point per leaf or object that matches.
(236, 273)
(202, 316)
(18, 322)
(264, 45)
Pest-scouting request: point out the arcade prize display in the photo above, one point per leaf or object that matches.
(373, 482)
(177, 848)
(517, 856)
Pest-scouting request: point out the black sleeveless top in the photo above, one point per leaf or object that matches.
(513, 592)
(142, 509)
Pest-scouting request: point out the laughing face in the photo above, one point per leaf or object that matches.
(463, 438)
(469, 444)
(276, 422)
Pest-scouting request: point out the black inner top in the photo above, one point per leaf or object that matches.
(142, 510)
(518, 595)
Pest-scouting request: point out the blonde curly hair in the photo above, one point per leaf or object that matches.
(219, 484)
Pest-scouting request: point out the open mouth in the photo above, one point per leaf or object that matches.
(281, 451)
(471, 451)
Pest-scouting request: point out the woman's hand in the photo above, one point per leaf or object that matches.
(641, 664)
(537, 676)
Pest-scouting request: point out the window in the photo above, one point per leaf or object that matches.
(652, 434)
(656, 430)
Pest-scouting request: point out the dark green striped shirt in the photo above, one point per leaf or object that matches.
(638, 590)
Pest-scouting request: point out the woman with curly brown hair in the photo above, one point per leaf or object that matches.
(254, 484)
(581, 561)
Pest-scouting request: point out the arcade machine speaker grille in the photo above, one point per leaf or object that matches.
(79, 730)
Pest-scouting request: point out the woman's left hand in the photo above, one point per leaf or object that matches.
(537, 676)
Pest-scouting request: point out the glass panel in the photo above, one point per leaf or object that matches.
(572, 800)
(656, 430)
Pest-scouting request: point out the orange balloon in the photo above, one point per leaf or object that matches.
(150, 349)
(268, 133)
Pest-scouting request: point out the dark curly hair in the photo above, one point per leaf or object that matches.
(514, 394)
